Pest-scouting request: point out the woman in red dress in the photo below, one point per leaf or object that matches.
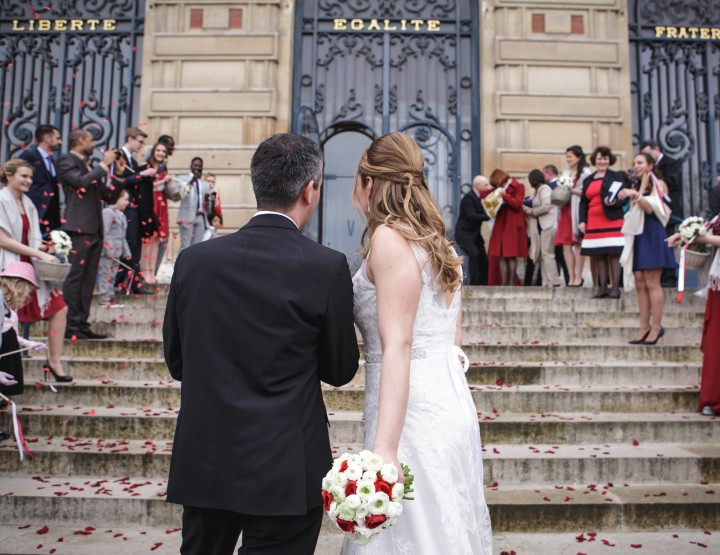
(20, 239)
(508, 240)
(709, 402)
(161, 228)
(601, 221)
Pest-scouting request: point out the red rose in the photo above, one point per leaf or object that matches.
(373, 521)
(383, 486)
(351, 488)
(346, 525)
(343, 466)
(327, 499)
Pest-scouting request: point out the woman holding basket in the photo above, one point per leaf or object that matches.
(20, 239)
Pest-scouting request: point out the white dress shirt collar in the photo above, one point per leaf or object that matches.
(266, 212)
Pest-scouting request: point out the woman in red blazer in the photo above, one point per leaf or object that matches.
(508, 239)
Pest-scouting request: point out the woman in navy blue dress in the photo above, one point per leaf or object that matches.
(651, 252)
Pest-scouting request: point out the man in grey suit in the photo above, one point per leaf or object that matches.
(191, 214)
(84, 187)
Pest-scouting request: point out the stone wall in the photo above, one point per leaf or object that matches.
(554, 74)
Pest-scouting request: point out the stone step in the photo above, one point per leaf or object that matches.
(490, 334)
(628, 304)
(504, 398)
(573, 320)
(516, 373)
(554, 293)
(505, 464)
(533, 351)
(618, 507)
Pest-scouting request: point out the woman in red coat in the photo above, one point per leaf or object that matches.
(508, 239)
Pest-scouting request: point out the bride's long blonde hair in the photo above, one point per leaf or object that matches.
(400, 199)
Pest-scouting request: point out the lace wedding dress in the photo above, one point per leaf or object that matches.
(440, 441)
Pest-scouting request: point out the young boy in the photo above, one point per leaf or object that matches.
(114, 248)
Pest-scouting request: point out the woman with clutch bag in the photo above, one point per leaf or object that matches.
(508, 239)
(651, 254)
(20, 239)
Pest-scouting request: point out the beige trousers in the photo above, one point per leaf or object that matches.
(550, 276)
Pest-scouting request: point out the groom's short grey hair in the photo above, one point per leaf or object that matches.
(280, 168)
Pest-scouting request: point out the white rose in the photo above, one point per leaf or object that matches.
(398, 492)
(389, 473)
(354, 471)
(374, 463)
(338, 494)
(337, 463)
(346, 513)
(365, 454)
(342, 479)
(378, 503)
(354, 459)
(362, 535)
(369, 476)
(361, 512)
(327, 483)
(365, 489)
(333, 510)
(353, 501)
(394, 510)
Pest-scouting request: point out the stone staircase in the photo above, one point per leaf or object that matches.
(590, 443)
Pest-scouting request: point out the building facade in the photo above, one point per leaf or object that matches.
(479, 84)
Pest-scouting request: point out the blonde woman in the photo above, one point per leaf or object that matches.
(418, 408)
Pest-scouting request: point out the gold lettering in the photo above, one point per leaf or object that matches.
(92, 23)
(357, 24)
(693, 32)
(109, 24)
(15, 26)
(402, 24)
(659, 31)
(416, 23)
(44, 25)
(433, 24)
(340, 24)
(705, 33)
(387, 26)
(672, 32)
(31, 25)
(76, 24)
(716, 34)
(682, 33)
(374, 25)
(61, 24)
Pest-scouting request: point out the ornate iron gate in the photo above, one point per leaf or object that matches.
(675, 61)
(71, 63)
(375, 66)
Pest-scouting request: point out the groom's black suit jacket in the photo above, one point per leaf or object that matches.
(254, 321)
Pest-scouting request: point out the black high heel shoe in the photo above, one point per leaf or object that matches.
(654, 341)
(48, 369)
(639, 341)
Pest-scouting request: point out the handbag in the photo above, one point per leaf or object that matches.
(493, 201)
(173, 189)
(560, 196)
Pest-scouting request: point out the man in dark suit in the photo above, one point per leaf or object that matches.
(468, 231)
(44, 191)
(254, 322)
(84, 188)
(671, 171)
(130, 180)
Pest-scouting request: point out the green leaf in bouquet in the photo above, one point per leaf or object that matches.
(409, 479)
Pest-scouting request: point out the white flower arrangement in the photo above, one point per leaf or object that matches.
(362, 495)
(691, 228)
(565, 181)
(61, 242)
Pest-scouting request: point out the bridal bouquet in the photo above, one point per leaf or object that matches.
(565, 181)
(62, 243)
(362, 495)
(691, 228)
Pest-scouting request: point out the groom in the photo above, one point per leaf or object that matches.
(254, 322)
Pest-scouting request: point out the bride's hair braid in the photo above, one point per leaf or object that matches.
(400, 199)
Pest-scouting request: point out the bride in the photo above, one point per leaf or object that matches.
(418, 407)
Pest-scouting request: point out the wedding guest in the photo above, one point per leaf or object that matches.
(20, 241)
(550, 172)
(115, 247)
(709, 401)
(84, 190)
(153, 211)
(214, 222)
(714, 202)
(543, 216)
(508, 239)
(17, 283)
(468, 231)
(651, 254)
(169, 143)
(601, 220)
(191, 214)
(44, 191)
(568, 234)
(213, 203)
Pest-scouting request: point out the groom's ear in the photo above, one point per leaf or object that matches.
(307, 192)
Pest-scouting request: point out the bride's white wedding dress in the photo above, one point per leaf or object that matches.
(440, 441)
